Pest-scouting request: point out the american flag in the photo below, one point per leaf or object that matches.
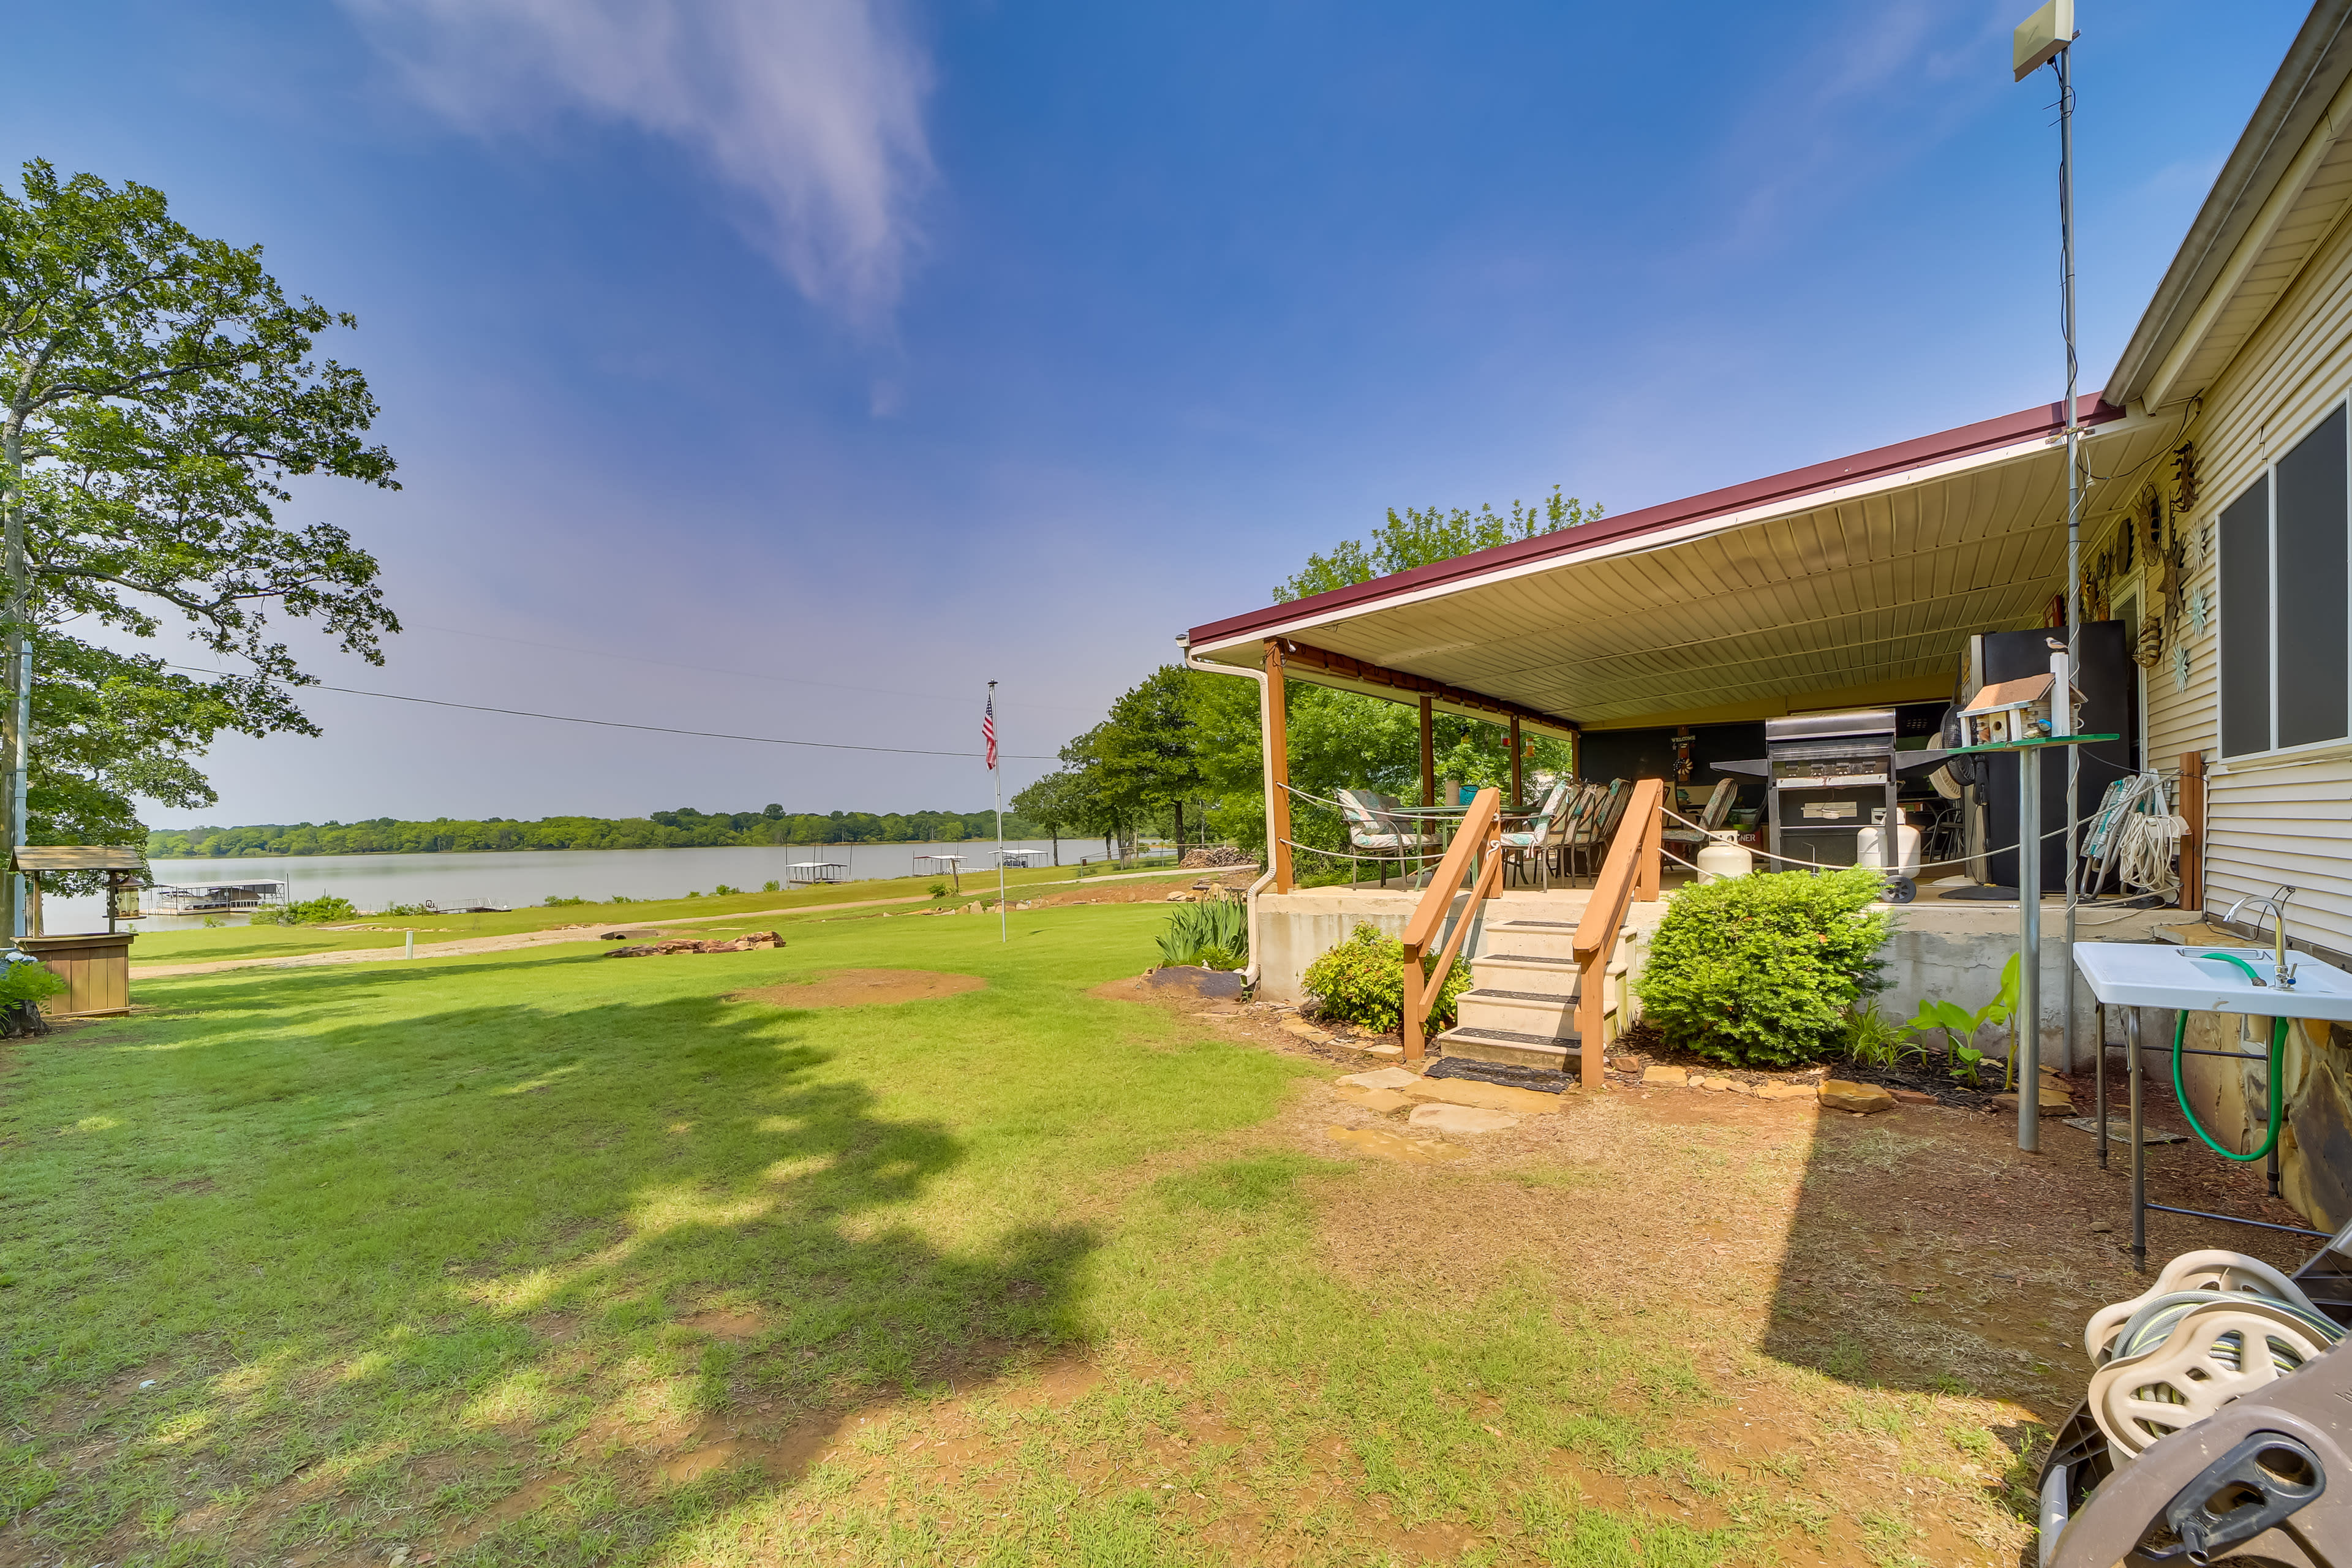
(988, 730)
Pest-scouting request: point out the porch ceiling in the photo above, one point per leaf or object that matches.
(1860, 576)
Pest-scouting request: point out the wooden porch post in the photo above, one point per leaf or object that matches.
(1517, 795)
(1276, 741)
(2192, 843)
(1428, 753)
(1653, 842)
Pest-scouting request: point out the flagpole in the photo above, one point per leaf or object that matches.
(996, 780)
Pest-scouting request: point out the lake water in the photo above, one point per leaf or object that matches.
(528, 877)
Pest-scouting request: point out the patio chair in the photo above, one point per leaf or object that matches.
(1710, 820)
(1591, 839)
(1534, 840)
(1372, 829)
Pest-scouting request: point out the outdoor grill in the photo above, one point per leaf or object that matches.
(1828, 773)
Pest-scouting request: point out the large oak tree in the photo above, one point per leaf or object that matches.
(159, 393)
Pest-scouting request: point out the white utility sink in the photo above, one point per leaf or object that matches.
(2150, 975)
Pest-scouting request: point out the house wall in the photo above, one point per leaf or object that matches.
(2282, 818)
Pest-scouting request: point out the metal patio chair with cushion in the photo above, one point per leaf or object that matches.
(1710, 820)
(1592, 838)
(1533, 839)
(1372, 830)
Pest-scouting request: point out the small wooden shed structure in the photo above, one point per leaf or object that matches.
(95, 965)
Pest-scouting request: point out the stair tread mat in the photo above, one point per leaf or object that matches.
(1521, 958)
(1512, 1036)
(1544, 1081)
(1488, 994)
(1548, 925)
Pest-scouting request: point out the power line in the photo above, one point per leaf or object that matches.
(619, 724)
(713, 669)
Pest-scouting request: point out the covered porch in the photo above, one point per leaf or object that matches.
(1657, 643)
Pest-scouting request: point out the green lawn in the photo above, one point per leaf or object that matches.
(202, 945)
(464, 1254)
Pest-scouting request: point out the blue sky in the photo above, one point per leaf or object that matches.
(793, 369)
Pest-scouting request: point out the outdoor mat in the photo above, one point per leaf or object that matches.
(1503, 1073)
(2119, 1131)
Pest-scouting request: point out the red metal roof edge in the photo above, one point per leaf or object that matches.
(2009, 428)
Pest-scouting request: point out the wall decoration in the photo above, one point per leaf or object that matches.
(2150, 649)
(2198, 609)
(2184, 476)
(2180, 666)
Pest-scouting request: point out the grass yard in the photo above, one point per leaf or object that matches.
(203, 944)
(552, 1260)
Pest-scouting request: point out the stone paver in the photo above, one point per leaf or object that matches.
(1438, 1117)
(1664, 1078)
(1838, 1094)
(1380, 1102)
(1382, 1077)
(1492, 1096)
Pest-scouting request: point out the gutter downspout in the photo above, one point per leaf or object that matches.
(1265, 761)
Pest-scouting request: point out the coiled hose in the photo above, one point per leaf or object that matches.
(2271, 1075)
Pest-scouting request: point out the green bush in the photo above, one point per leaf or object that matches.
(1361, 982)
(322, 911)
(1215, 933)
(553, 901)
(23, 981)
(1761, 970)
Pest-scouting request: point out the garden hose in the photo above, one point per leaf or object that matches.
(2271, 1085)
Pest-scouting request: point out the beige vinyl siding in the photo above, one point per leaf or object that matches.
(2280, 818)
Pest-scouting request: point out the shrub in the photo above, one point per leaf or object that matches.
(1761, 971)
(405, 909)
(22, 981)
(938, 890)
(724, 891)
(772, 885)
(321, 910)
(1361, 982)
(1215, 933)
(552, 902)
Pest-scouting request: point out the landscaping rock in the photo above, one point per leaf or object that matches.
(1380, 1102)
(1664, 1078)
(638, 933)
(1489, 1096)
(1307, 1032)
(1913, 1097)
(751, 943)
(1866, 1098)
(1776, 1090)
(1384, 1077)
(2054, 1102)
(1442, 1118)
(1710, 1080)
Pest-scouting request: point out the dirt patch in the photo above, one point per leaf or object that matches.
(722, 1324)
(863, 988)
(1180, 991)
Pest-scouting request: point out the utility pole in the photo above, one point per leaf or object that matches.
(15, 733)
(2047, 37)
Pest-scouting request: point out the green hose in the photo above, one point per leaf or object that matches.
(2278, 1039)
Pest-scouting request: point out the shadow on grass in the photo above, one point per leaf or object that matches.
(471, 1277)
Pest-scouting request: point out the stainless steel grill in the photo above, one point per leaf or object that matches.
(1828, 773)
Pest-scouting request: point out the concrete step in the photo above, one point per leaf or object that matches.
(1512, 1048)
(1533, 939)
(1545, 1013)
(1524, 971)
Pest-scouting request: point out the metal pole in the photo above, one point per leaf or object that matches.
(2138, 1144)
(19, 662)
(2099, 1061)
(2074, 512)
(2028, 951)
(996, 778)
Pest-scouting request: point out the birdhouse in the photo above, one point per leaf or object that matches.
(2009, 712)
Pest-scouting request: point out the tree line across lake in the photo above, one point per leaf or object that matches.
(684, 828)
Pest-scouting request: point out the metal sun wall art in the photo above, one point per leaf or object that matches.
(2180, 666)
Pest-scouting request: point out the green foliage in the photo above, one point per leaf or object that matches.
(772, 885)
(1871, 1039)
(1968, 1064)
(1420, 538)
(1960, 1026)
(1215, 933)
(551, 902)
(159, 394)
(408, 910)
(684, 828)
(1361, 982)
(326, 909)
(723, 891)
(1761, 971)
(21, 982)
(938, 890)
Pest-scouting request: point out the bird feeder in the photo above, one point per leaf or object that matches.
(95, 966)
(2009, 713)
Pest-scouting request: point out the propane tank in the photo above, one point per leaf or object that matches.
(1871, 849)
(1724, 855)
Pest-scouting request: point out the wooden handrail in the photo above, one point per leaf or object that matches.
(1632, 866)
(1480, 827)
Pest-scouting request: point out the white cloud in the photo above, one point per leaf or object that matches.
(811, 108)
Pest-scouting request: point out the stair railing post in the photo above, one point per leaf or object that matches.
(1416, 1009)
(1654, 846)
